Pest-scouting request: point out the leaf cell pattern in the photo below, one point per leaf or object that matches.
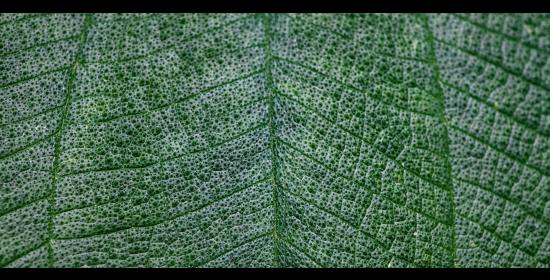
(274, 140)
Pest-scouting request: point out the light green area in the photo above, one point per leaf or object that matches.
(296, 140)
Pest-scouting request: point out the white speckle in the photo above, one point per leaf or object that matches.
(414, 45)
(528, 29)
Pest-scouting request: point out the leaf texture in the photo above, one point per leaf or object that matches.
(274, 140)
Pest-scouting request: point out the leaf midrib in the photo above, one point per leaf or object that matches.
(266, 25)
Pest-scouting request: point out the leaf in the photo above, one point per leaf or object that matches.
(301, 140)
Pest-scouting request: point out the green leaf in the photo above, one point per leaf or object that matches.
(299, 140)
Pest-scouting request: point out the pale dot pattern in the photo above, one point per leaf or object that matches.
(274, 140)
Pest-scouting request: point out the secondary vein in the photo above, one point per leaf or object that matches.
(59, 133)
(435, 66)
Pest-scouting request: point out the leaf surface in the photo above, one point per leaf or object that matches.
(274, 140)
